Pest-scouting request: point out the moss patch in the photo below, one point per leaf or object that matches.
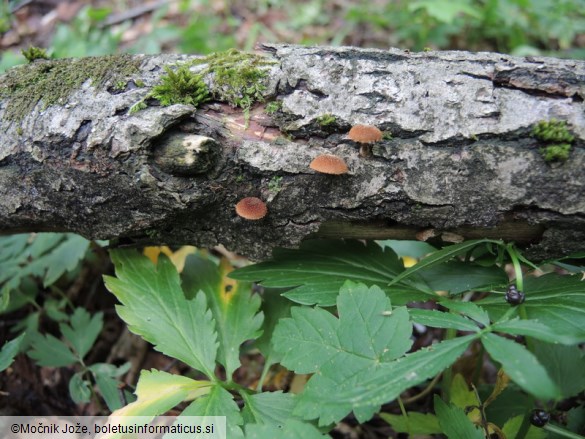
(33, 53)
(180, 87)
(326, 120)
(238, 77)
(52, 82)
(273, 107)
(556, 153)
(552, 131)
(558, 137)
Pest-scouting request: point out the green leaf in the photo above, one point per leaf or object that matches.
(234, 307)
(316, 271)
(511, 402)
(109, 389)
(454, 422)
(9, 351)
(50, 351)
(274, 307)
(521, 366)
(416, 423)
(469, 309)
(457, 277)
(45, 255)
(532, 328)
(314, 337)
(339, 387)
(273, 408)
(65, 257)
(565, 365)
(440, 257)
(554, 300)
(292, 429)
(218, 402)
(154, 307)
(157, 392)
(79, 389)
(438, 319)
(359, 357)
(84, 330)
(512, 427)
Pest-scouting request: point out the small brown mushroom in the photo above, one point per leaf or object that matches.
(251, 208)
(365, 134)
(329, 164)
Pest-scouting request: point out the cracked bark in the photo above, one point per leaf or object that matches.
(461, 160)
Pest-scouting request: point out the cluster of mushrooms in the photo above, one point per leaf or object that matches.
(252, 208)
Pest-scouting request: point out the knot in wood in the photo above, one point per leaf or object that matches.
(185, 154)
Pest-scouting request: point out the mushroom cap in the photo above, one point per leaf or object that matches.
(329, 164)
(251, 208)
(365, 134)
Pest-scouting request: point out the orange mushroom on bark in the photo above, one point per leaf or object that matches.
(365, 135)
(251, 208)
(329, 164)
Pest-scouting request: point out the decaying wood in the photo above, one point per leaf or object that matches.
(461, 161)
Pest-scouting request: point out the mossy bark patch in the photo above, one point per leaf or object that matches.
(52, 82)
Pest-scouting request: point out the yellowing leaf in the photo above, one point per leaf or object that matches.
(157, 392)
(464, 398)
(501, 383)
(234, 307)
(177, 258)
(408, 261)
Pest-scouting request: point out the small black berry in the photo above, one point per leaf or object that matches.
(514, 297)
(539, 418)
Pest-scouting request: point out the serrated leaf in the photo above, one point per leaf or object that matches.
(469, 309)
(84, 330)
(50, 351)
(512, 427)
(292, 429)
(416, 423)
(439, 257)
(532, 328)
(154, 307)
(358, 358)
(65, 257)
(234, 307)
(454, 423)
(438, 319)
(79, 389)
(338, 389)
(9, 351)
(362, 334)
(565, 365)
(218, 402)
(273, 408)
(521, 366)
(457, 277)
(46, 255)
(157, 392)
(554, 300)
(316, 271)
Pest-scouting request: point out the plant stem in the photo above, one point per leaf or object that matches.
(450, 334)
(562, 432)
(517, 267)
(403, 411)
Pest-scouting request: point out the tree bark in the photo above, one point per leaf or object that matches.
(461, 161)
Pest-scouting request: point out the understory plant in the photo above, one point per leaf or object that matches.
(503, 358)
